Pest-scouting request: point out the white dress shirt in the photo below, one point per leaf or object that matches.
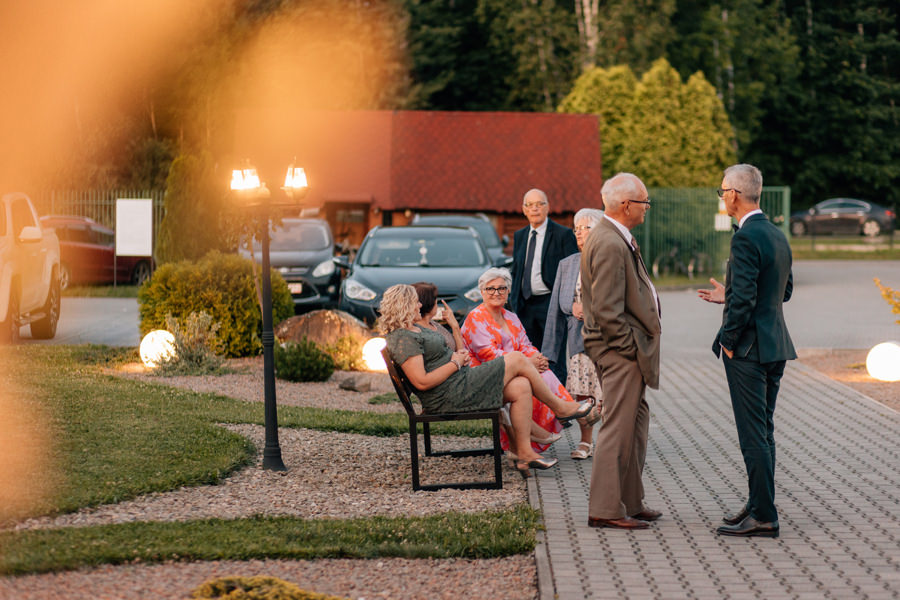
(538, 287)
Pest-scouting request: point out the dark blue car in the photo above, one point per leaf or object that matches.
(452, 258)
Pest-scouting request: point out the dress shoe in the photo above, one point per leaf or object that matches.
(550, 439)
(623, 523)
(583, 410)
(539, 463)
(750, 527)
(648, 514)
(738, 517)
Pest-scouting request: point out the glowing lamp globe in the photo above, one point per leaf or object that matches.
(883, 361)
(372, 357)
(157, 346)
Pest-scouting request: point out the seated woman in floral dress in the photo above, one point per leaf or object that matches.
(444, 382)
(490, 331)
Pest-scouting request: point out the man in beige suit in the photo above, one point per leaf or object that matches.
(621, 336)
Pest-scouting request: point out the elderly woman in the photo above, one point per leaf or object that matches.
(445, 384)
(490, 331)
(565, 315)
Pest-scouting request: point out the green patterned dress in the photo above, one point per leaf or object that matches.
(470, 388)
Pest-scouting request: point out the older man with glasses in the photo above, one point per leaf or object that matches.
(537, 250)
(622, 338)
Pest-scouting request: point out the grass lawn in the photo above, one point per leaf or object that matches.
(114, 439)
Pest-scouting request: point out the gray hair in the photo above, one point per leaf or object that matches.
(746, 178)
(592, 214)
(494, 273)
(620, 188)
(538, 192)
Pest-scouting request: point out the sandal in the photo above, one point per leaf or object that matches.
(550, 439)
(593, 417)
(583, 451)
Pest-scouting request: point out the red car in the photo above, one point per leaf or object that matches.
(87, 253)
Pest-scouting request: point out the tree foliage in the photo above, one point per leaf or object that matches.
(668, 133)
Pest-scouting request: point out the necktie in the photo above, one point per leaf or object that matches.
(734, 228)
(529, 260)
(637, 250)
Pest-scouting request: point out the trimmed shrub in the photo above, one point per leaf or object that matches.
(302, 361)
(222, 286)
(255, 588)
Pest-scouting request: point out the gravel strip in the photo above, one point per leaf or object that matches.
(512, 578)
(337, 475)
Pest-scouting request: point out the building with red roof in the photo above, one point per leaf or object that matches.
(367, 168)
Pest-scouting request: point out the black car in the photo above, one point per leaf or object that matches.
(848, 216)
(452, 258)
(480, 223)
(302, 251)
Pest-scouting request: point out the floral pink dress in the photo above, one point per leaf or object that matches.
(486, 340)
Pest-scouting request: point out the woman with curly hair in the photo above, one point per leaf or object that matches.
(445, 384)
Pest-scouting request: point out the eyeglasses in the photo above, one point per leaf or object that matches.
(583, 228)
(721, 192)
(647, 201)
(533, 205)
(496, 290)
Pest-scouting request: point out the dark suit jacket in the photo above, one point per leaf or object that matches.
(758, 282)
(620, 312)
(559, 242)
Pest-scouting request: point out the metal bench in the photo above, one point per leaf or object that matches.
(404, 388)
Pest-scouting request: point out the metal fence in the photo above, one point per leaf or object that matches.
(681, 224)
(99, 205)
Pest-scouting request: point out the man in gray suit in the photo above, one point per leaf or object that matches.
(754, 341)
(621, 336)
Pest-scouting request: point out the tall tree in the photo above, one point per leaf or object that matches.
(607, 93)
(850, 134)
(628, 32)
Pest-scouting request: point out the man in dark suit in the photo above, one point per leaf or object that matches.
(537, 250)
(754, 341)
(621, 337)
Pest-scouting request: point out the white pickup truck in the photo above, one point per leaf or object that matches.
(29, 271)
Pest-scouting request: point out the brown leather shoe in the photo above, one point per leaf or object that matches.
(623, 523)
(648, 514)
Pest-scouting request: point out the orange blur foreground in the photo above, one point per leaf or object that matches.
(26, 472)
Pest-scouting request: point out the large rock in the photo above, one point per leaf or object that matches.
(324, 327)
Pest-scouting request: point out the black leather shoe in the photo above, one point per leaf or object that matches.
(750, 527)
(736, 518)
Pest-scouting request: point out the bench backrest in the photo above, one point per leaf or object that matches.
(401, 384)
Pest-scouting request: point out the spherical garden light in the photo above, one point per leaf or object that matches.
(157, 347)
(372, 357)
(883, 361)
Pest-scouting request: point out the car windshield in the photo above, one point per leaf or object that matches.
(297, 236)
(484, 228)
(415, 249)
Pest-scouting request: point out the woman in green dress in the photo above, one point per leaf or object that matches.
(445, 384)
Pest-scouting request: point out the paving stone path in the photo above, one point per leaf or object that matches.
(837, 489)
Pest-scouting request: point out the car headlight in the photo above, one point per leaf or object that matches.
(473, 295)
(323, 268)
(357, 291)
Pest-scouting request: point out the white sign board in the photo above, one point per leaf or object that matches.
(134, 227)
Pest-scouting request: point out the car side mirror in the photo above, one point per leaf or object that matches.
(341, 262)
(30, 234)
(505, 240)
(503, 261)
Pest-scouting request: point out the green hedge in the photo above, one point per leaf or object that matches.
(220, 285)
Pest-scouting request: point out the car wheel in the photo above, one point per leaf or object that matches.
(141, 273)
(798, 228)
(45, 329)
(65, 276)
(9, 329)
(871, 228)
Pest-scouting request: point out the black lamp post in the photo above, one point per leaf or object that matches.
(246, 184)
